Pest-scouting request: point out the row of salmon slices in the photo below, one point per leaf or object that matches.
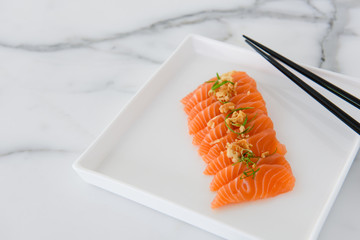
(228, 120)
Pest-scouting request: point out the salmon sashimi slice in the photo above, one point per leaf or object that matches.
(263, 141)
(237, 99)
(254, 96)
(200, 107)
(222, 161)
(214, 135)
(232, 171)
(202, 92)
(243, 75)
(200, 135)
(202, 118)
(226, 175)
(245, 88)
(218, 147)
(270, 181)
(266, 141)
(259, 105)
(199, 95)
(221, 130)
(261, 123)
(240, 89)
(241, 78)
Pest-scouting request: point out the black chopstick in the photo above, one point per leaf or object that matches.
(343, 116)
(317, 79)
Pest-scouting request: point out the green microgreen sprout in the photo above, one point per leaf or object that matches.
(250, 172)
(246, 157)
(245, 121)
(273, 152)
(248, 129)
(252, 118)
(217, 84)
(238, 109)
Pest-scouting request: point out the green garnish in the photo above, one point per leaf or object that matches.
(246, 157)
(250, 172)
(230, 128)
(213, 81)
(245, 121)
(248, 129)
(238, 109)
(217, 84)
(273, 152)
(253, 117)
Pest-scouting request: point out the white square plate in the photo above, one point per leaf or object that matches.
(146, 154)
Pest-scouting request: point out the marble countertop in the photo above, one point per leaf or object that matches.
(68, 67)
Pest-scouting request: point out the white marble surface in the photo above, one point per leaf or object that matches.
(68, 67)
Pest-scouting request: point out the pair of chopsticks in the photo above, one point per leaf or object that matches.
(270, 56)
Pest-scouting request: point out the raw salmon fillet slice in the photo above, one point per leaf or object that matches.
(232, 171)
(240, 89)
(262, 142)
(200, 135)
(201, 93)
(200, 107)
(246, 158)
(222, 161)
(260, 123)
(255, 98)
(203, 117)
(271, 180)
(221, 130)
(218, 147)
(266, 141)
